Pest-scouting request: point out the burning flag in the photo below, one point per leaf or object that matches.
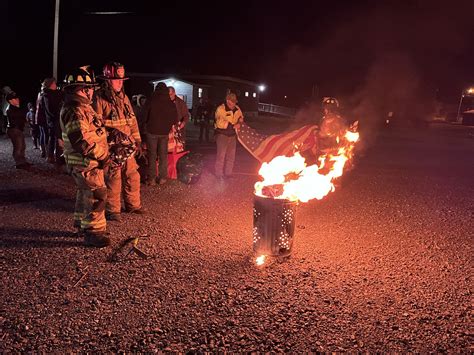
(289, 178)
(265, 148)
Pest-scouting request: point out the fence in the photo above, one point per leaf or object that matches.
(277, 110)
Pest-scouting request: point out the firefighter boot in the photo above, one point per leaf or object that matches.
(98, 239)
(113, 216)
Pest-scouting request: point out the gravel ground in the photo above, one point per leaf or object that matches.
(383, 264)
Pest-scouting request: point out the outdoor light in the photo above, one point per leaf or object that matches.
(470, 90)
(262, 88)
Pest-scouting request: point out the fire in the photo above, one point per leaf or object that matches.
(260, 260)
(295, 181)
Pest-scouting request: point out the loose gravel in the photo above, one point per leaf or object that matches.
(383, 264)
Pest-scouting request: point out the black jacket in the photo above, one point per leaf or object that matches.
(161, 113)
(16, 117)
(52, 106)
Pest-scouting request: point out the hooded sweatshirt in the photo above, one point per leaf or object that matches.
(161, 113)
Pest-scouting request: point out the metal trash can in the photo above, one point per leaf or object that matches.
(273, 226)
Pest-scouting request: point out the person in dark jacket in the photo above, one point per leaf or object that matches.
(16, 120)
(204, 115)
(34, 129)
(52, 99)
(40, 120)
(160, 117)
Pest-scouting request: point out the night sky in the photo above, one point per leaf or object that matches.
(339, 47)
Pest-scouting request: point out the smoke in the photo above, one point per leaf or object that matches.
(393, 84)
(385, 57)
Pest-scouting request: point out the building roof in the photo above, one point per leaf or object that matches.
(153, 81)
(192, 77)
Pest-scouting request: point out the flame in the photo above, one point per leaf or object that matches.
(307, 182)
(260, 260)
(352, 137)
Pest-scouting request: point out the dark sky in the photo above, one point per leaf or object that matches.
(291, 46)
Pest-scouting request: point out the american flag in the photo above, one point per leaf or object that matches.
(265, 148)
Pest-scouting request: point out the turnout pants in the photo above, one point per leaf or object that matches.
(89, 212)
(18, 141)
(225, 157)
(124, 179)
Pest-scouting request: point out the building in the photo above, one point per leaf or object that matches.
(192, 87)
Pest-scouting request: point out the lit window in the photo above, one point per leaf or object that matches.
(254, 94)
(200, 92)
(246, 94)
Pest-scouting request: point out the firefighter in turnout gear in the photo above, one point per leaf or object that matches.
(86, 155)
(114, 107)
(332, 124)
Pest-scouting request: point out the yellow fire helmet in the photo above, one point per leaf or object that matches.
(83, 76)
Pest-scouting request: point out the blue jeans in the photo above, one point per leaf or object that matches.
(157, 145)
(44, 138)
(225, 156)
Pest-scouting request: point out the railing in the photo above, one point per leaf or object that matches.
(277, 110)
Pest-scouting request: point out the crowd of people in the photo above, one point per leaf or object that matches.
(94, 133)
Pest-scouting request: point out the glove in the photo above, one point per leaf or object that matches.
(139, 150)
(105, 163)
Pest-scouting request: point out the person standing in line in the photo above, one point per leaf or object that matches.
(34, 130)
(182, 116)
(139, 108)
(228, 116)
(41, 121)
(86, 154)
(52, 99)
(16, 120)
(203, 118)
(113, 105)
(160, 118)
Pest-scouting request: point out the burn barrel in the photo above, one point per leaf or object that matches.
(273, 226)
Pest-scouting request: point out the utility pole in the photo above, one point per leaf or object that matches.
(314, 92)
(56, 36)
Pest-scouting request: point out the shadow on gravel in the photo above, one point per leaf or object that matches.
(16, 196)
(37, 238)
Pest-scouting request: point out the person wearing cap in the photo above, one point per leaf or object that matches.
(16, 120)
(115, 109)
(227, 117)
(87, 154)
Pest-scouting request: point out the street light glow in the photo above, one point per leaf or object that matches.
(261, 88)
(470, 90)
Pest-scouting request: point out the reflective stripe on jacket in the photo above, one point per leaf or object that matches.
(85, 139)
(116, 111)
